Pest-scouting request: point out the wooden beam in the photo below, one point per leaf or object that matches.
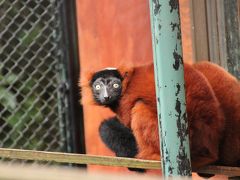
(228, 171)
(103, 160)
(26, 172)
(78, 158)
(200, 30)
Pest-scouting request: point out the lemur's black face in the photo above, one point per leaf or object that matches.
(107, 87)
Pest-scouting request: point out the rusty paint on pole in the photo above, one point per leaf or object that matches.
(169, 78)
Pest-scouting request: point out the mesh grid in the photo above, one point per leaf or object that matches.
(31, 72)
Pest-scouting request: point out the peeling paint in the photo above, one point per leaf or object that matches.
(174, 26)
(178, 60)
(170, 169)
(184, 117)
(167, 156)
(159, 27)
(184, 164)
(157, 78)
(178, 89)
(182, 128)
(174, 5)
(178, 107)
(157, 7)
(179, 36)
(161, 142)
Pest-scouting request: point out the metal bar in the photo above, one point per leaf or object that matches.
(73, 71)
(168, 64)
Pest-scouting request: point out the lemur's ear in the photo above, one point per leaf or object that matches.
(126, 73)
(85, 88)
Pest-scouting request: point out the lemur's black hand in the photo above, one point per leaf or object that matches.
(119, 139)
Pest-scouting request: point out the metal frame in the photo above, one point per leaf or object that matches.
(169, 78)
(32, 106)
(73, 72)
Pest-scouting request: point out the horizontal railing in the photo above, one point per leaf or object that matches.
(103, 160)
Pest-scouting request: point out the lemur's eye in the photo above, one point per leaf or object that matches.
(116, 85)
(97, 87)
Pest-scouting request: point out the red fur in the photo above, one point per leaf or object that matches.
(205, 118)
(206, 94)
(137, 110)
(227, 90)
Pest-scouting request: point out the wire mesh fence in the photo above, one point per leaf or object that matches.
(33, 103)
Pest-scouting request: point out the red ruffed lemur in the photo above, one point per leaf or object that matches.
(213, 110)
(227, 90)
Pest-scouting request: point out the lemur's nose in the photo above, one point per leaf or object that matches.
(105, 95)
(106, 98)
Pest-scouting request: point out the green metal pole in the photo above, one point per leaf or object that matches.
(169, 78)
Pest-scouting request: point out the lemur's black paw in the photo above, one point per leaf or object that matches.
(206, 176)
(139, 170)
(118, 138)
